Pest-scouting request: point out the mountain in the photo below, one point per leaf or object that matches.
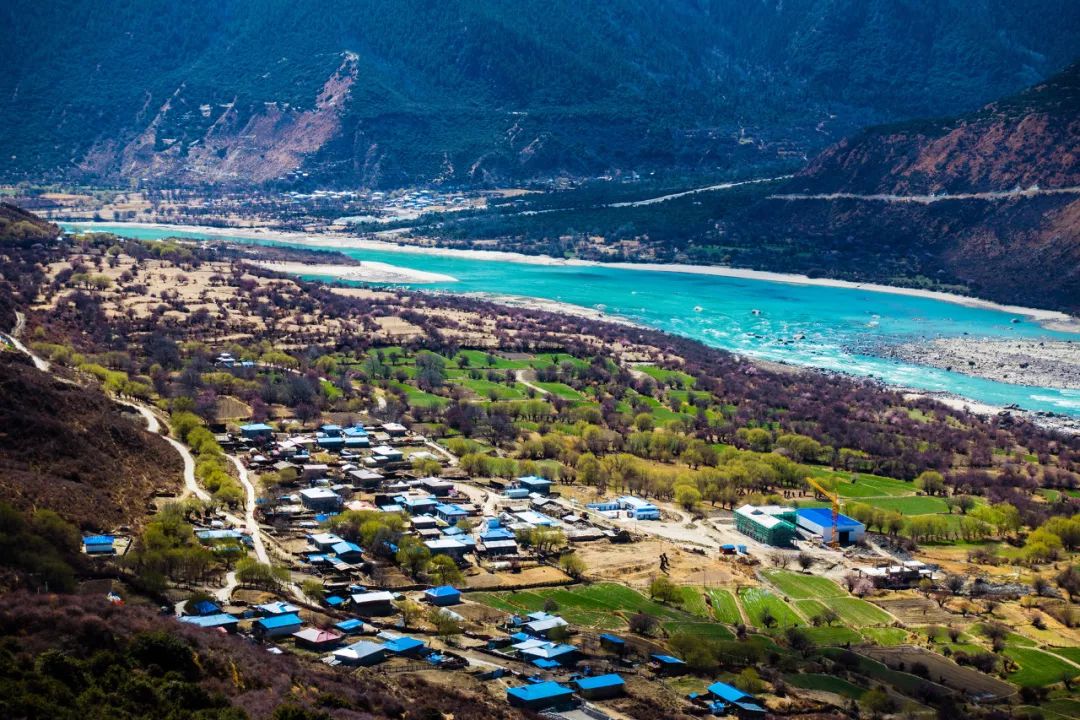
(347, 92)
(994, 248)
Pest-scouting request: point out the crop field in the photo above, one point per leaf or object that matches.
(1037, 668)
(561, 390)
(604, 605)
(1069, 653)
(941, 669)
(885, 635)
(724, 607)
(702, 629)
(802, 587)
(835, 635)
(756, 600)
(857, 612)
(913, 505)
(828, 683)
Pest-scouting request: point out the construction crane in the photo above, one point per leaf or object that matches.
(834, 540)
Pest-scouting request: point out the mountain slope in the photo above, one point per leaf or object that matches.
(385, 93)
(1023, 250)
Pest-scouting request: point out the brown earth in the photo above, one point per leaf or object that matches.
(72, 450)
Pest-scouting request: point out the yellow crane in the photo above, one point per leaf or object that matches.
(834, 541)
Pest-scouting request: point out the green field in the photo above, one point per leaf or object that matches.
(828, 683)
(1069, 653)
(799, 586)
(833, 636)
(693, 601)
(484, 389)
(885, 635)
(858, 613)
(1037, 668)
(725, 609)
(913, 505)
(756, 600)
(703, 629)
(560, 389)
(604, 605)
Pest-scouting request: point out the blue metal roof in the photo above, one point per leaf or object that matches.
(667, 659)
(98, 540)
(600, 681)
(345, 547)
(350, 624)
(256, 427)
(442, 591)
(612, 638)
(210, 621)
(539, 691)
(727, 693)
(278, 621)
(403, 644)
(823, 517)
(206, 607)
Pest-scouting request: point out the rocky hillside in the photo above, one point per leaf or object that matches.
(1027, 140)
(349, 92)
(996, 248)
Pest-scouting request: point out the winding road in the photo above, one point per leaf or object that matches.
(934, 198)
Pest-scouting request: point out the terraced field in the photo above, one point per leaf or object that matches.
(828, 683)
(800, 587)
(1038, 668)
(605, 606)
(724, 607)
(756, 600)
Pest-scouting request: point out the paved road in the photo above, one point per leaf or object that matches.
(249, 511)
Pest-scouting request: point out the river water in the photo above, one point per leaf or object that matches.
(837, 329)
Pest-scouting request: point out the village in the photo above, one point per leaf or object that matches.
(473, 538)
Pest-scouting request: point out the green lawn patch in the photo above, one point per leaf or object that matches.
(703, 629)
(1037, 668)
(827, 683)
(885, 635)
(560, 389)
(857, 612)
(1069, 653)
(914, 505)
(799, 586)
(724, 607)
(756, 600)
(693, 601)
(833, 636)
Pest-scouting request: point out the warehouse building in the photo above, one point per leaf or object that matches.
(819, 522)
(770, 524)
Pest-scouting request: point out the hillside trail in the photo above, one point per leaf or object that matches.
(932, 198)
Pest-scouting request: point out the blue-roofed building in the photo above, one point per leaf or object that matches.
(335, 601)
(352, 626)
(639, 509)
(320, 499)
(535, 484)
(355, 431)
(99, 544)
(450, 513)
(819, 521)
(256, 431)
(517, 493)
(330, 443)
(202, 607)
(732, 699)
(277, 607)
(443, 595)
(330, 430)
(357, 441)
(496, 533)
(406, 646)
(540, 696)
(277, 625)
(601, 687)
(668, 664)
(224, 621)
(534, 649)
(418, 505)
(613, 643)
(361, 654)
(347, 551)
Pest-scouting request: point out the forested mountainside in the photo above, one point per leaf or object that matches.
(390, 93)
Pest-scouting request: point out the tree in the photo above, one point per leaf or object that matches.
(799, 641)
(411, 611)
(572, 565)
(767, 618)
(930, 482)
(662, 589)
(805, 560)
(877, 702)
(446, 626)
(687, 496)
(1069, 580)
(642, 623)
(313, 590)
(444, 571)
(749, 681)
(412, 556)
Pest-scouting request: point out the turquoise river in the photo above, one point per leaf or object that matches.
(836, 329)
